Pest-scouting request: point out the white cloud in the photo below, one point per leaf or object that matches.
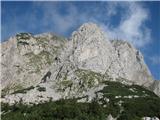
(131, 27)
(53, 19)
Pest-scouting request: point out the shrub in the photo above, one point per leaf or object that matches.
(58, 110)
(23, 90)
(41, 89)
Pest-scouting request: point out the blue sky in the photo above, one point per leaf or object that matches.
(136, 22)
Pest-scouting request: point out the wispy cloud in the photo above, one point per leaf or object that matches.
(130, 24)
(120, 20)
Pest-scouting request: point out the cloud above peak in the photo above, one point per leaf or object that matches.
(120, 20)
(130, 18)
(132, 26)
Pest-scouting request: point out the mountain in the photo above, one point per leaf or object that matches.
(86, 67)
(26, 57)
(95, 52)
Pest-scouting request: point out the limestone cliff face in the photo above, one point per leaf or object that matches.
(26, 58)
(155, 87)
(92, 50)
(61, 65)
(132, 63)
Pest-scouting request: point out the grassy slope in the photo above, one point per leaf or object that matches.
(147, 104)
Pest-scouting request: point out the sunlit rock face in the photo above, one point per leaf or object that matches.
(94, 51)
(26, 58)
(68, 67)
(132, 63)
(155, 87)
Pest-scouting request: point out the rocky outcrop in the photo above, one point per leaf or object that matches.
(132, 63)
(155, 87)
(110, 117)
(92, 50)
(25, 59)
(150, 118)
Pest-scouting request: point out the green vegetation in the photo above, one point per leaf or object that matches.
(36, 61)
(5, 91)
(41, 89)
(23, 36)
(44, 41)
(89, 78)
(124, 102)
(23, 90)
(118, 89)
(38, 58)
(23, 43)
(146, 103)
(47, 56)
(10, 88)
(66, 83)
(70, 109)
(59, 110)
(140, 107)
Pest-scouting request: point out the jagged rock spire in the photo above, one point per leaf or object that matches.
(92, 49)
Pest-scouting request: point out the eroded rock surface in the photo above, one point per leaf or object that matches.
(155, 87)
(25, 59)
(68, 68)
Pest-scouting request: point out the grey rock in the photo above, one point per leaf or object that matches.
(110, 117)
(150, 118)
(155, 87)
(132, 64)
(27, 59)
(92, 50)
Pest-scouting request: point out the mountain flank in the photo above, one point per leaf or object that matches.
(86, 69)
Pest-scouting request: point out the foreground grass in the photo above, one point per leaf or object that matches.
(59, 110)
(146, 104)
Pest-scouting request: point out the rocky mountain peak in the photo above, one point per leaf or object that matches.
(91, 48)
(52, 61)
(88, 28)
(88, 32)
